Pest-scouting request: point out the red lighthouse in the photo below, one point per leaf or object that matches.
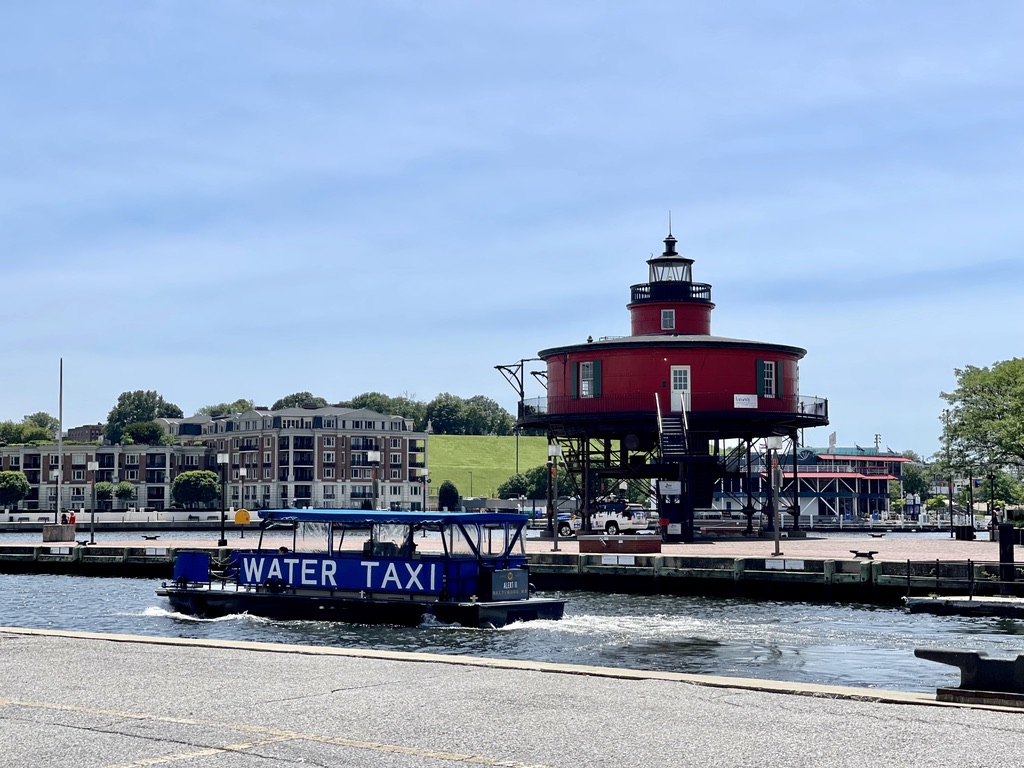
(670, 402)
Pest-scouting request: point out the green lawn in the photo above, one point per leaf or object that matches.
(491, 460)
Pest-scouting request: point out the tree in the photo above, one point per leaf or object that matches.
(448, 496)
(14, 433)
(14, 487)
(105, 491)
(125, 491)
(138, 406)
(514, 487)
(196, 487)
(485, 417)
(143, 432)
(916, 480)
(445, 413)
(298, 400)
(985, 422)
(239, 406)
(43, 420)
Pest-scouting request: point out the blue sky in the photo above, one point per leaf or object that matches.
(247, 199)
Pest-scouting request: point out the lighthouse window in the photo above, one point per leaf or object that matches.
(769, 383)
(586, 379)
(668, 319)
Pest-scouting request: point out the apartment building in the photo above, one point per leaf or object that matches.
(296, 457)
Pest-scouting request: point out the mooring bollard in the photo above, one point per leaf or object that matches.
(978, 672)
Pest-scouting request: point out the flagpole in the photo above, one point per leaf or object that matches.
(60, 439)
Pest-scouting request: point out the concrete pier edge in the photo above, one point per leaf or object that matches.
(871, 695)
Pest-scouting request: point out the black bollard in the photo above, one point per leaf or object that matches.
(1007, 570)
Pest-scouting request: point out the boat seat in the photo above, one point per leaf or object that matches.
(385, 549)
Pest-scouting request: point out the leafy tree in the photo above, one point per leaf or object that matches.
(514, 487)
(239, 406)
(448, 496)
(104, 491)
(138, 406)
(373, 401)
(44, 421)
(537, 480)
(13, 488)
(984, 426)
(297, 400)
(125, 491)
(196, 487)
(445, 413)
(14, 433)
(485, 417)
(143, 432)
(916, 480)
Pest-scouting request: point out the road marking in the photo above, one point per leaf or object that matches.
(272, 735)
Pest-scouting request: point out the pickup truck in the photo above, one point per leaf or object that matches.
(615, 518)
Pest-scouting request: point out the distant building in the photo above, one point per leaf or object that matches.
(846, 483)
(318, 457)
(88, 433)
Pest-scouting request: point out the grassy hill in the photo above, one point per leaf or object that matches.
(492, 460)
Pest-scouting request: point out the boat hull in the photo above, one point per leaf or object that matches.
(211, 603)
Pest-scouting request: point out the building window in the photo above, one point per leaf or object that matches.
(328, 472)
(769, 381)
(329, 491)
(328, 442)
(668, 319)
(396, 458)
(266, 473)
(268, 442)
(15, 461)
(586, 379)
(190, 460)
(328, 457)
(132, 474)
(78, 493)
(396, 490)
(77, 459)
(78, 474)
(54, 460)
(131, 459)
(396, 443)
(396, 474)
(266, 457)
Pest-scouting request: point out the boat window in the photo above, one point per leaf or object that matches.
(390, 539)
(458, 544)
(495, 540)
(312, 537)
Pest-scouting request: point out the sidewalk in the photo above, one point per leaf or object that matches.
(95, 701)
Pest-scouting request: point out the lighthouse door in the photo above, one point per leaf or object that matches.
(680, 378)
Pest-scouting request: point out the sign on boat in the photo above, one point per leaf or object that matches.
(371, 567)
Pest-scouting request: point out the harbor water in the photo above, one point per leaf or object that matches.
(830, 644)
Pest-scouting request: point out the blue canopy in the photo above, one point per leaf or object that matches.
(382, 516)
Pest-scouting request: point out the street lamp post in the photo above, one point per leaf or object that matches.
(92, 466)
(223, 459)
(471, 483)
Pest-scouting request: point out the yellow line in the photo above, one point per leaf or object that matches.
(273, 735)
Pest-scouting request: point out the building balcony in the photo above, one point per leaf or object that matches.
(670, 291)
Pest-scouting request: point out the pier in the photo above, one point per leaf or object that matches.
(98, 701)
(807, 568)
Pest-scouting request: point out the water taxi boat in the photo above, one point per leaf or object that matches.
(375, 567)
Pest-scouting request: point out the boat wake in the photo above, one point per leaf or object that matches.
(155, 612)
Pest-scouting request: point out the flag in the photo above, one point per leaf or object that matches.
(859, 449)
(832, 442)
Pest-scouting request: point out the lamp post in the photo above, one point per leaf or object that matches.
(425, 480)
(92, 466)
(242, 474)
(223, 459)
(949, 461)
(471, 483)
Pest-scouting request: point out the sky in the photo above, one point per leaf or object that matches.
(220, 200)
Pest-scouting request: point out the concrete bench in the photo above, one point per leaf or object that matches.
(867, 554)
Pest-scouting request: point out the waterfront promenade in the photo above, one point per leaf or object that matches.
(106, 701)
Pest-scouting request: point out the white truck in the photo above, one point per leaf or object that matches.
(615, 518)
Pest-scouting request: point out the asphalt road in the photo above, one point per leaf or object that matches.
(85, 701)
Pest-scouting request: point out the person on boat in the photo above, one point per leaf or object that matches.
(282, 550)
(71, 519)
(63, 518)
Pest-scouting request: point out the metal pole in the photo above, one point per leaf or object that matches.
(554, 486)
(93, 466)
(223, 503)
(777, 509)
